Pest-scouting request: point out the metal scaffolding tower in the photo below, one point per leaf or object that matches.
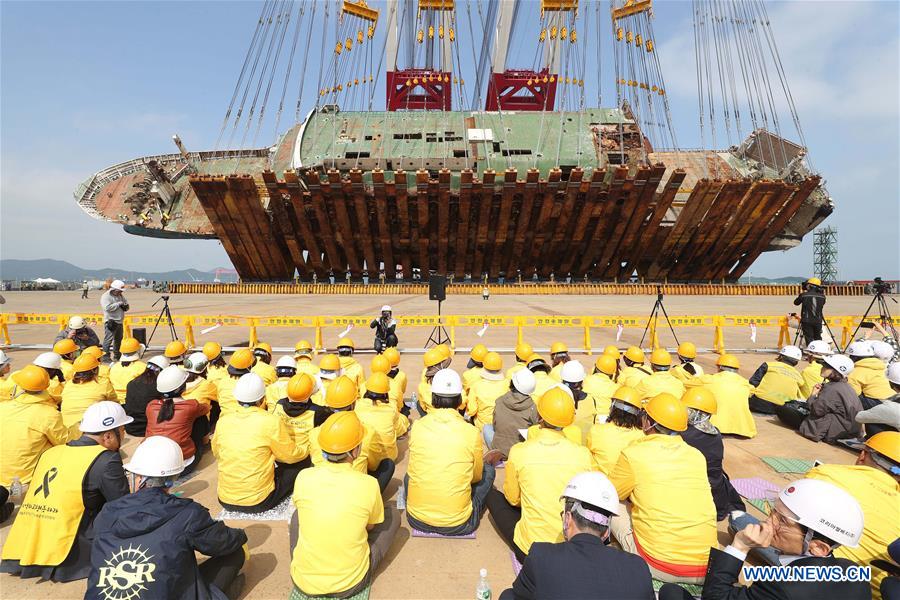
(825, 254)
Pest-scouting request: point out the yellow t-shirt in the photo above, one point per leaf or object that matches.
(601, 388)
(121, 375)
(352, 369)
(335, 505)
(29, 425)
(482, 399)
(386, 425)
(606, 442)
(511, 371)
(202, 390)
(225, 393)
(470, 377)
(632, 376)
(363, 463)
(542, 383)
(77, 397)
(732, 394)
(659, 382)
(305, 365)
(812, 376)
(266, 371)
(275, 392)
(423, 392)
(214, 373)
(299, 427)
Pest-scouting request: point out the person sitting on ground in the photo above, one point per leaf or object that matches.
(833, 406)
(258, 459)
(30, 424)
(396, 375)
(198, 387)
(811, 519)
(329, 370)
(102, 370)
(84, 390)
(52, 534)
(303, 355)
(523, 352)
(672, 518)
(67, 350)
(815, 351)
(381, 364)
(51, 363)
(732, 394)
(6, 382)
(140, 392)
(379, 414)
(285, 368)
(537, 471)
(79, 332)
(341, 531)
(542, 380)
(262, 353)
(129, 366)
(875, 483)
(217, 368)
(868, 379)
(297, 410)
(174, 416)
(472, 374)
(572, 378)
(431, 360)
(483, 395)
(776, 382)
(349, 365)
(886, 415)
(613, 352)
(166, 528)
(559, 355)
(175, 351)
(660, 380)
(623, 426)
(634, 370)
(446, 355)
(883, 351)
(687, 369)
(601, 384)
(703, 435)
(446, 483)
(513, 411)
(239, 364)
(570, 569)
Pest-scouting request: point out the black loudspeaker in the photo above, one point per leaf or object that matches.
(437, 288)
(140, 334)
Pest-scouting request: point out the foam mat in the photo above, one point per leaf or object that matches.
(788, 465)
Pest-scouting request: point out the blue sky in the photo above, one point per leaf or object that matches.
(88, 84)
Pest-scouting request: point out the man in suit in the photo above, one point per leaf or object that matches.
(809, 520)
(583, 566)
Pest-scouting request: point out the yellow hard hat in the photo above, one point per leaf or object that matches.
(432, 357)
(378, 383)
(32, 379)
(341, 432)
(523, 351)
(212, 350)
(728, 360)
(661, 358)
(263, 346)
(634, 354)
(668, 411)
(346, 342)
(886, 443)
(341, 393)
(557, 407)
(94, 351)
(445, 351)
(534, 356)
(129, 345)
(558, 348)
(701, 399)
(242, 359)
(175, 349)
(606, 364)
(380, 364)
(611, 351)
(814, 281)
(628, 395)
(65, 346)
(303, 347)
(687, 350)
(330, 362)
(393, 355)
(493, 361)
(300, 387)
(479, 351)
(85, 363)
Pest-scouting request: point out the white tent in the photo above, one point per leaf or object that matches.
(45, 280)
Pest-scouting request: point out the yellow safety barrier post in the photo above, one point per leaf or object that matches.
(587, 336)
(452, 322)
(719, 335)
(126, 327)
(253, 338)
(4, 330)
(654, 339)
(784, 334)
(520, 322)
(62, 321)
(846, 330)
(189, 332)
(317, 344)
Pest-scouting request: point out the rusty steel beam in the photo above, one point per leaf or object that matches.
(336, 260)
(642, 215)
(462, 231)
(644, 244)
(210, 192)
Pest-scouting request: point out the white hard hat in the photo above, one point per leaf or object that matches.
(893, 373)
(860, 349)
(840, 363)
(160, 362)
(103, 416)
(4, 359)
(385, 308)
(48, 360)
(592, 487)
(791, 352)
(170, 379)
(882, 350)
(286, 362)
(76, 322)
(158, 456)
(249, 389)
(523, 380)
(196, 362)
(819, 347)
(446, 382)
(117, 284)
(826, 509)
(572, 371)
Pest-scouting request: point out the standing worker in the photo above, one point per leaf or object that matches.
(114, 306)
(812, 304)
(84, 289)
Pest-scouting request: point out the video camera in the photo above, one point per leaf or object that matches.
(880, 287)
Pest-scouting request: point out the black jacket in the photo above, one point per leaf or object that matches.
(811, 303)
(723, 571)
(148, 539)
(710, 446)
(137, 396)
(581, 568)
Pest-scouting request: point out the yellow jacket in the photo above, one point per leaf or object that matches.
(470, 377)
(202, 390)
(6, 388)
(879, 496)
(225, 393)
(275, 392)
(395, 393)
(352, 369)
(305, 365)
(299, 426)
(606, 442)
(600, 387)
(386, 425)
(632, 376)
(542, 383)
(216, 373)
(556, 373)
(732, 394)
(363, 463)
(682, 374)
(423, 392)
(868, 379)
(67, 368)
(537, 472)
(672, 511)
(402, 379)
(29, 424)
(247, 442)
(444, 461)
(780, 384)
(266, 371)
(812, 376)
(120, 376)
(76, 398)
(482, 399)
(659, 382)
(511, 371)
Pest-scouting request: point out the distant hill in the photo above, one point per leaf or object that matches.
(14, 269)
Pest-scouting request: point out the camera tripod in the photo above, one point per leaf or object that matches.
(883, 312)
(799, 335)
(438, 334)
(658, 306)
(164, 312)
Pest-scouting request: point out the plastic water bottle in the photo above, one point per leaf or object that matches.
(16, 491)
(483, 590)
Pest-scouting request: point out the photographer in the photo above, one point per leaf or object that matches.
(114, 306)
(385, 330)
(811, 302)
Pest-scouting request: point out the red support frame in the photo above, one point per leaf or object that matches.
(505, 91)
(419, 89)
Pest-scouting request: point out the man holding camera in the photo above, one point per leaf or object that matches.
(385, 330)
(811, 302)
(114, 306)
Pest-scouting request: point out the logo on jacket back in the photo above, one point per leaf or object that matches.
(126, 573)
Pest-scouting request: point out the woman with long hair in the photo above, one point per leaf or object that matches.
(173, 416)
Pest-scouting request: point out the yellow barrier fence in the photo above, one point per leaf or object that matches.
(718, 323)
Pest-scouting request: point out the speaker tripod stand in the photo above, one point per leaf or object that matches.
(439, 333)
